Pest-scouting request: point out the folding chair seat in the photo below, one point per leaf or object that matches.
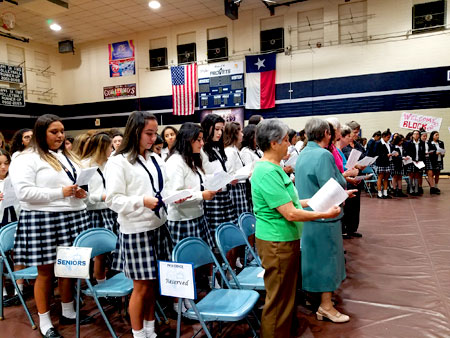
(6, 244)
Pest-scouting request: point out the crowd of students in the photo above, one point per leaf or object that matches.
(138, 168)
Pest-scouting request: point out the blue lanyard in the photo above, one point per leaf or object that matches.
(73, 177)
(160, 185)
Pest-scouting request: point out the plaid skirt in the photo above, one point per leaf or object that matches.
(388, 169)
(197, 227)
(238, 194)
(439, 165)
(220, 210)
(137, 254)
(104, 218)
(40, 232)
(411, 168)
(428, 165)
(398, 169)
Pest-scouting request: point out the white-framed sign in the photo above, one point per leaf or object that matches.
(177, 279)
(72, 262)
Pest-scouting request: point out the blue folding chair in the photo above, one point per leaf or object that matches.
(228, 236)
(224, 305)
(101, 241)
(247, 222)
(6, 244)
(373, 179)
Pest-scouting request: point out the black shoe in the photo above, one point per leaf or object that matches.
(386, 197)
(395, 193)
(378, 196)
(69, 321)
(52, 333)
(401, 194)
(420, 190)
(438, 190)
(356, 234)
(346, 236)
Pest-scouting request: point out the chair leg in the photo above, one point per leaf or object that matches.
(162, 312)
(158, 319)
(202, 322)
(180, 300)
(77, 322)
(108, 324)
(1, 287)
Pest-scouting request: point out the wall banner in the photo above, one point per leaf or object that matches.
(12, 97)
(125, 90)
(121, 58)
(414, 121)
(11, 74)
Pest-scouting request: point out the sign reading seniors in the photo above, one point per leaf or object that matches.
(121, 58)
(414, 121)
(125, 90)
(12, 97)
(72, 262)
(12, 74)
(177, 280)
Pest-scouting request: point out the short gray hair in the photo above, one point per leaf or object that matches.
(335, 122)
(315, 129)
(270, 130)
(345, 130)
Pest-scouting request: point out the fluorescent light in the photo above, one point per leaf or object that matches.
(154, 4)
(55, 27)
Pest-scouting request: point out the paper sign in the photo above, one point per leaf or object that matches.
(177, 196)
(86, 175)
(72, 262)
(419, 164)
(291, 161)
(414, 121)
(217, 181)
(329, 195)
(177, 280)
(366, 161)
(353, 158)
(9, 195)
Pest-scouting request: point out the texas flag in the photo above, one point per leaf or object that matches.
(260, 79)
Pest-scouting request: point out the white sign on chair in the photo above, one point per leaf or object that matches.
(177, 279)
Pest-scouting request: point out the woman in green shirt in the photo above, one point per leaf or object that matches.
(279, 217)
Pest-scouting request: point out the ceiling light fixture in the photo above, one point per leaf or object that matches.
(55, 27)
(154, 4)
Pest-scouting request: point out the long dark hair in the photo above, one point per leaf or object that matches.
(165, 145)
(386, 133)
(231, 133)
(248, 140)
(5, 153)
(132, 135)
(16, 142)
(397, 139)
(39, 141)
(208, 124)
(432, 136)
(183, 145)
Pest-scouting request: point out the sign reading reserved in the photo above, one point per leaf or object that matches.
(177, 279)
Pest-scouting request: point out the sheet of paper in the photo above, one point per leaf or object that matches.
(244, 172)
(85, 175)
(363, 177)
(353, 158)
(261, 274)
(217, 181)
(177, 196)
(366, 161)
(419, 164)
(329, 195)
(9, 195)
(440, 150)
(291, 161)
(407, 161)
(394, 153)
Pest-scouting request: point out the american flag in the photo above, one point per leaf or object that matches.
(184, 86)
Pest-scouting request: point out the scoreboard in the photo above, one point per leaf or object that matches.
(221, 85)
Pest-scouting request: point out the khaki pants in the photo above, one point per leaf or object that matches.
(281, 260)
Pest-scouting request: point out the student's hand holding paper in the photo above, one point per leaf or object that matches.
(1, 196)
(234, 182)
(351, 193)
(182, 200)
(208, 195)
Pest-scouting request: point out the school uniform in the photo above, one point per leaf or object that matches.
(238, 192)
(416, 150)
(101, 216)
(428, 152)
(143, 235)
(397, 161)
(165, 153)
(220, 209)
(9, 214)
(250, 156)
(186, 219)
(47, 218)
(437, 161)
(384, 162)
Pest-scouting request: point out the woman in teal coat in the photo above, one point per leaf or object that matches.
(323, 265)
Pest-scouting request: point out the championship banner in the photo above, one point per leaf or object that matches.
(12, 97)
(114, 92)
(11, 74)
(414, 121)
(121, 58)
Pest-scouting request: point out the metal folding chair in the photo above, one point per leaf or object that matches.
(247, 222)
(6, 244)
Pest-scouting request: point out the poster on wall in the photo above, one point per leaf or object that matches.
(11, 74)
(125, 90)
(414, 121)
(12, 97)
(229, 115)
(121, 58)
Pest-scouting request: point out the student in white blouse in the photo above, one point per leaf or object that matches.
(232, 140)
(135, 185)
(52, 213)
(96, 152)
(169, 135)
(249, 151)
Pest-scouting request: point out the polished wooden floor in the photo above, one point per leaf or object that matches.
(398, 280)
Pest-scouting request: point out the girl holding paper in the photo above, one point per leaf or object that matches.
(397, 161)
(384, 164)
(436, 159)
(52, 213)
(96, 153)
(220, 209)
(232, 140)
(136, 180)
(416, 150)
